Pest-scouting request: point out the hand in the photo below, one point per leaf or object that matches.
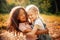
(31, 35)
(36, 26)
(40, 31)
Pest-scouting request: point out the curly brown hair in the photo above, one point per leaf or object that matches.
(13, 22)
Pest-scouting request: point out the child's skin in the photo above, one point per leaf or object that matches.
(23, 19)
(32, 16)
(22, 16)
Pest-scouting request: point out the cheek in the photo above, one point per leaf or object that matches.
(20, 18)
(34, 17)
(31, 18)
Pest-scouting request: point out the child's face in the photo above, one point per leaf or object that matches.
(22, 16)
(32, 15)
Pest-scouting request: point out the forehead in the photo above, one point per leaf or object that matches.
(21, 9)
(33, 10)
(22, 12)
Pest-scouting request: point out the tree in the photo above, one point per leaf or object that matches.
(5, 7)
(43, 5)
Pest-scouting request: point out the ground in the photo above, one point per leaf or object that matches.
(47, 19)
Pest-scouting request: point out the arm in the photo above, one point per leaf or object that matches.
(42, 29)
(24, 28)
(34, 30)
(42, 32)
(31, 35)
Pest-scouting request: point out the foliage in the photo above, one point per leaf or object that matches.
(45, 6)
(5, 7)
(42, 4)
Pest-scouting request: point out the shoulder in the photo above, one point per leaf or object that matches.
(38, 21)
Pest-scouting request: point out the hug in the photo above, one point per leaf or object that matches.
(25, 24)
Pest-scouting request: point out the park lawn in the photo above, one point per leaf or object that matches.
(51, 20)
(47, 19)
(3, 18)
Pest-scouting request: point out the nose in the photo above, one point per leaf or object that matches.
(23, 15)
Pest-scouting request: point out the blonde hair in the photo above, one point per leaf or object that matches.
(32, 6)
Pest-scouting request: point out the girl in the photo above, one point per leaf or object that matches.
(18, 22)
(18, 26)
(17, 16)
(35, 19)
(22, 24)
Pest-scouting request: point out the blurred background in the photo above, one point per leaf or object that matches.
(49, 10)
